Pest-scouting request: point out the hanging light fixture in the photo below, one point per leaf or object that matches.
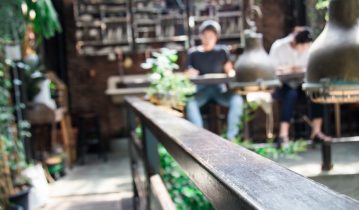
(333, 69)
(254, 68)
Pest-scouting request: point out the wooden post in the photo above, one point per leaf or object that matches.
(6, 187)
(151, 152)
(66, 139)
(337, 120)
(152, 159)
(327, 156)
(131, 125)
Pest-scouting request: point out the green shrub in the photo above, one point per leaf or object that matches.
(182, 190)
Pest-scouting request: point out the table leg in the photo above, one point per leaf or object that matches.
(337, 120)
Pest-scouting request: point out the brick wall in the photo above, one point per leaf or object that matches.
(87, 78)
(272, 24)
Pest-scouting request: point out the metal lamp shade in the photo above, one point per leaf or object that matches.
(333, 69)
(254, 68)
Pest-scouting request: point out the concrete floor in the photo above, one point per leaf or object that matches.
(113, 201)
(107, 186)
(345, 157)
(343, 178)
(97, 185)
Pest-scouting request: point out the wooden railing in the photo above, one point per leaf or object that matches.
(230, 176)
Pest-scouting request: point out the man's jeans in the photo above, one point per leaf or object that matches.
(288, 97)
(227, 99)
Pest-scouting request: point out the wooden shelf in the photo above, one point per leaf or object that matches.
(102, 44)
(135, 20)
(182, 38)
(224, 36)
(220, 15)
(98, 23)
(102, 2)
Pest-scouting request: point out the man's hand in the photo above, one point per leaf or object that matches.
(283, 70)
(192, 72)
(298, 69)
(228, 69)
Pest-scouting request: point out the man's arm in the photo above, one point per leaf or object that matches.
(228, 66)
(191, 72)
(228, 69)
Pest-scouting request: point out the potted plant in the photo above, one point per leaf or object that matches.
(17, 17)
(13, 185)
(167, 88)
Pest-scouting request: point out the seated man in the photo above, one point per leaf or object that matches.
(210, 58)
(290, 55)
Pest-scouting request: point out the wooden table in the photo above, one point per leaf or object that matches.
(292, 77)
(144, 81)
(119, 87)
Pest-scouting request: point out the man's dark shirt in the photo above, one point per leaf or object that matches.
(208, 62)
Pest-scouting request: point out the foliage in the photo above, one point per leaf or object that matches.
(138, 132)
(317, 14)
(15, 14)
(165, 84)
(46, 23)
(248, 109)
(182, 190)
(12, 20)
(322, 4)
(11, 139)
(268, 149)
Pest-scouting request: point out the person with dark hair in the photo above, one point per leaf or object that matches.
(290, 55)
(210, 58)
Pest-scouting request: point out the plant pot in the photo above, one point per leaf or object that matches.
(15, 207)
(21, 199)
(56, 167)
(13, 52)
(166, 100)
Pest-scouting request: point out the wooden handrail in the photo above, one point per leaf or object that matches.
(230, 176)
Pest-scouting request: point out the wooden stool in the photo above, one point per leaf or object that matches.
(40, 114)
(90, 134)
(213, 117)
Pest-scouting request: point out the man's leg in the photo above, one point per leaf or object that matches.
(193, 113)
(316, 114)
(288, 98)
(235, 104)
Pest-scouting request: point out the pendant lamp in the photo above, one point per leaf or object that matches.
(254, 68)
(333, 69)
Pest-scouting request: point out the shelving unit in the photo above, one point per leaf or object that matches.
(102, 26)
(107, 26)
(155, 25)
(229, 14)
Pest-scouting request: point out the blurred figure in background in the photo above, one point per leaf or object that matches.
(290, 55)
(209, 58)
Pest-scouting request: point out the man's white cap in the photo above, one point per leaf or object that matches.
(210, 24)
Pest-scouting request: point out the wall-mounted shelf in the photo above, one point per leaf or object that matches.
(150, 24)
(182, 38)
